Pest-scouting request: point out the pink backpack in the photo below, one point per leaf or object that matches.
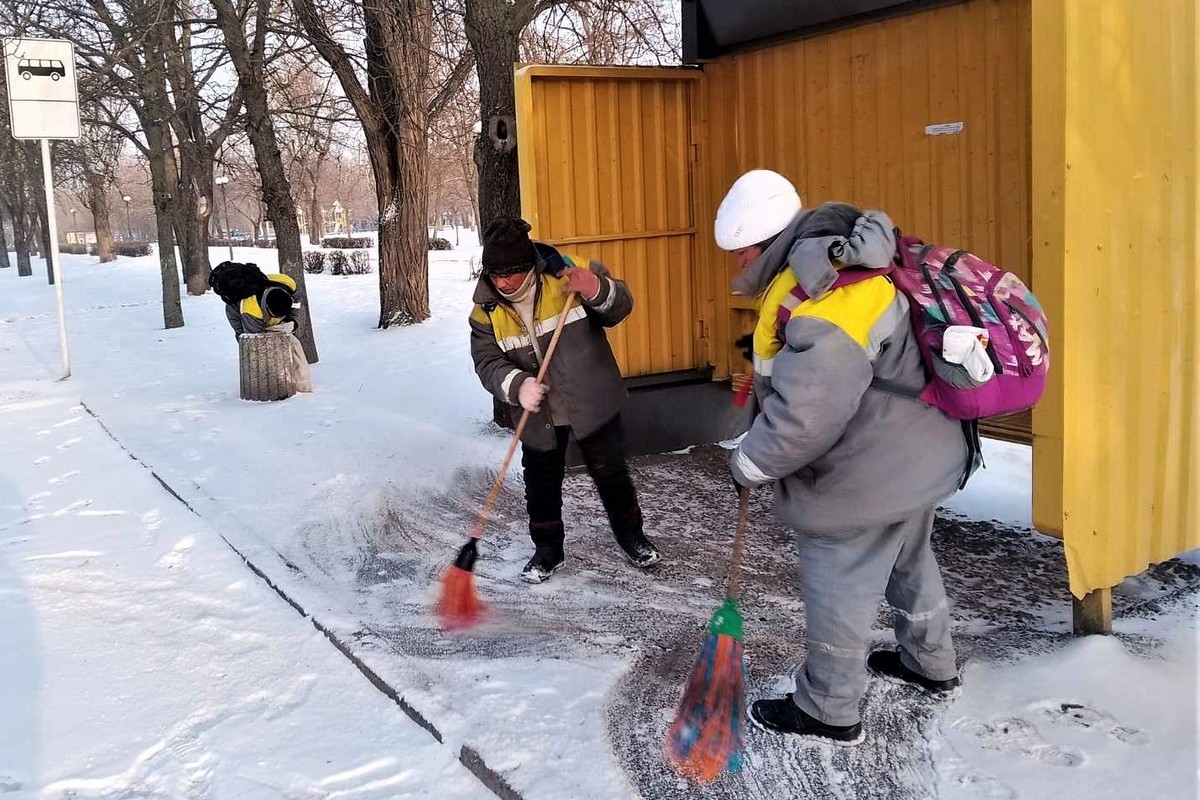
(944, 287)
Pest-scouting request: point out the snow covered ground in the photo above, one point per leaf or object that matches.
(140, 657)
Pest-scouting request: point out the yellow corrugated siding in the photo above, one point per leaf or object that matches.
(1117, 451)
(606, 172)
(843, 115)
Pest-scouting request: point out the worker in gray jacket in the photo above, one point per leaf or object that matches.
(524, 287)
(857, 471)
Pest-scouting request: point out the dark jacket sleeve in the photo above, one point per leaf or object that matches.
(614, 302)
(817, 384)
(498, 375)
(235, 320)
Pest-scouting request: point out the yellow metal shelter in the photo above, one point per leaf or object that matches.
(1057, 138)
(607, 170)
(1117, 440)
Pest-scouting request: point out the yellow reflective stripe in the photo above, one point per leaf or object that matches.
(250, 306)
(574, 315)
(511, 335)
(543, 327)
(506, 384)
(855, 308)
(612, 295)
(513, 342)
(766, 339)
(505, 324)
(286, 280)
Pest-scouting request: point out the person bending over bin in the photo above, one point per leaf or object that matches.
(523, 287)
(857, 472)
(259, 303)
(253, 301)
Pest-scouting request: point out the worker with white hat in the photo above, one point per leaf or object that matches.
(857, 472)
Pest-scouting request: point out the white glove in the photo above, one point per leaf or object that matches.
(531, 394)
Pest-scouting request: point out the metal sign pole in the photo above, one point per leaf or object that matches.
(43, 103)
(55, 261)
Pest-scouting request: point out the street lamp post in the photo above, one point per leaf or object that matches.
(221, 180)
(73, 229)
(128, 227)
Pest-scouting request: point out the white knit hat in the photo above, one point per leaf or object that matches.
(759, 205)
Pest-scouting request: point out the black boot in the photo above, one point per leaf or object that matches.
(547, 559)
(640, 551)
(604, 455)
(784, 716)
(627, 529)
(887, 665)
(547, 553)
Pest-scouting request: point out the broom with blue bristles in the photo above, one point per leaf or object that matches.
(705, 738)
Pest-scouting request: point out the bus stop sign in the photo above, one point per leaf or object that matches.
(43, 102)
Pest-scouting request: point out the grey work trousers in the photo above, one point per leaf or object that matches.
(844, 576)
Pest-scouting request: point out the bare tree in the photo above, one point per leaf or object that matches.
(603, 32)
(90, 163)
(39, 217)
(249, 60)
(452, 163)
(17, 200)
(14, 192)
(309, 117)
(562, 31)
(393, 108)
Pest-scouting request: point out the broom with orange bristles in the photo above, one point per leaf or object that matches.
(459, 606)
(705, 739)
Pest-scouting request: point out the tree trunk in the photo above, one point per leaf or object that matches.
(39, 220)
(4, 262)
(315, 232)
(190, 216)
(403, 290)
(20, 223)
(43, 228)
(12, 184)
(494, 31)
(161, 187)
(154, 113)
(393, 110)
(193, 196)
(276, 188)
(398, 45)
(97, 205)
(162, 184)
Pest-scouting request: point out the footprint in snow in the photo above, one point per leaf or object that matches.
(73, 507)
(66, 476)
(69, 442)
(1084, 716)
(42, 460)
(1016, 735)
(956, 777)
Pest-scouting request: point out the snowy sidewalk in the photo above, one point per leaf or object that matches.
(140, 657)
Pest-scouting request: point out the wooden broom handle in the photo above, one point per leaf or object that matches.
(498, 484)
(739, 540)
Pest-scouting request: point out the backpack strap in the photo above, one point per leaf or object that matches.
(891, 387)
(846, 276)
